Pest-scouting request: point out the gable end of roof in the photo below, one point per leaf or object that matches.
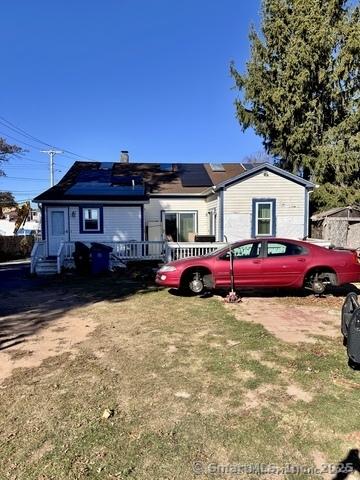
(271, 168)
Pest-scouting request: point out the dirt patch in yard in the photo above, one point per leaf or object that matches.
(61, 335)
(298, 393)
(290, 322)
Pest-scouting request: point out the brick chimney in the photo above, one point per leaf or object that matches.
(124, 156)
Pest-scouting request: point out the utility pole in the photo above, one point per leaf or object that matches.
(51, 154)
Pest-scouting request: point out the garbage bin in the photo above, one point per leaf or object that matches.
(351, 303)
(82, 258)
(353, 340)
(350, 328)
(100, 257)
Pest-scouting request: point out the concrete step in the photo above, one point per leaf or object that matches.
(46, 267)
(46, 263)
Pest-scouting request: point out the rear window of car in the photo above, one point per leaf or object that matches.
(279, 249)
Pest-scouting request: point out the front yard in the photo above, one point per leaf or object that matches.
(184, 380)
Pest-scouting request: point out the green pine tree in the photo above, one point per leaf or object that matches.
(301, 93)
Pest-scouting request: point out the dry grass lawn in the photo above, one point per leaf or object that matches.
(183, 379)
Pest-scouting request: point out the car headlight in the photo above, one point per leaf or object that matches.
(167, 268)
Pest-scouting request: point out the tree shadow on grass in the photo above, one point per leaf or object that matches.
(25, 310)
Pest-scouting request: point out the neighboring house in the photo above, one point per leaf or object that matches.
(122, 201)
(341, 226)
(31, 226)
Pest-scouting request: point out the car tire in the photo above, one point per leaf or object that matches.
(193, 284)
(196, 283)
(318, 287)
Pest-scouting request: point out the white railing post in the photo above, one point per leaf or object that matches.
(179, 250)
(37, 252)
(33, 257)
(168, 251)
(59, 257)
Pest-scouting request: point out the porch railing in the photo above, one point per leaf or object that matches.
(125, 251)
(121, 251)
(64, 254)
(151, 250)
(178, 250)
(38, 251)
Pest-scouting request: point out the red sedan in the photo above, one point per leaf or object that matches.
(270, 262)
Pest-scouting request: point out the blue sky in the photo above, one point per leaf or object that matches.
(148, 76)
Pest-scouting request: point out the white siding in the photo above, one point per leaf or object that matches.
(213, 203)
(120, 224)
(290, 205)
(157, 205)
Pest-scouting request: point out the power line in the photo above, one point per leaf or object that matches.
(23, 132)
(16, 129)
(19, 165)
(24, 178)
(19, 156)
(18, 140)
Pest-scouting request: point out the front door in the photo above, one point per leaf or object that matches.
(58, 227)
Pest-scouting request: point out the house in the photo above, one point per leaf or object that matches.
(8, 222)
(124, 202)
(341, 226)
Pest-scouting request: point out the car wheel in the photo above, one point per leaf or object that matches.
(316, 282)
(196, 283)
(318, 287)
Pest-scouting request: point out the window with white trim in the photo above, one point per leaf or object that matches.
(264, 218)
(91, 219)
(179, 226)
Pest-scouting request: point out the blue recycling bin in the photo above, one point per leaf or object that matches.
(100, 257)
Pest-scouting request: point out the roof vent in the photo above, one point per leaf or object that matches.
(217, 167)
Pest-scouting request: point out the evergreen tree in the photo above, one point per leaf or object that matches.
(301, 92)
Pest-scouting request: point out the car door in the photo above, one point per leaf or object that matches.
(247, 263)
(284, 263)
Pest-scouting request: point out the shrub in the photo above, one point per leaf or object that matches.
(13, 247)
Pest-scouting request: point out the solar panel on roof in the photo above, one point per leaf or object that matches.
(126, 179)
(104, 189)
(195, 175)
(166, 167)
(100, 176)
(217, 167)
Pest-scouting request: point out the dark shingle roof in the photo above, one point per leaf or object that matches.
(87, 180)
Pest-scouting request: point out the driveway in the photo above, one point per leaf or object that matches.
(16, 275)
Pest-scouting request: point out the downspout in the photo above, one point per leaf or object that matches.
(306, 213)
(221, 215)
(307, 210)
